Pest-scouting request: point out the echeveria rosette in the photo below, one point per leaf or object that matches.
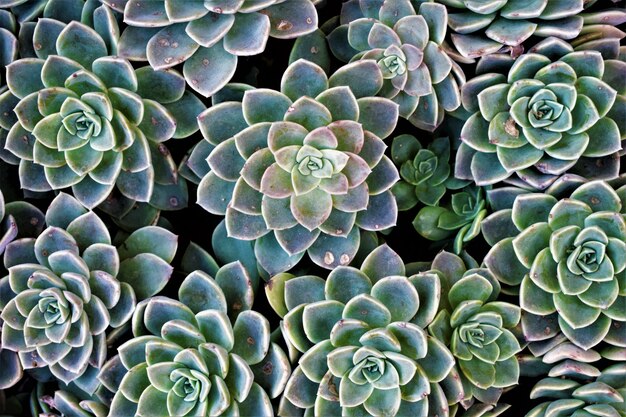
(482, 27)
(555, 112)
(479, 330)
(568, 259)
(364, 350)
(63, 10)
(406, 44)
(198, 356)
(70, 285)
(88, 120)
(458, 219)
(301, 169)
(208, 36)
(576, 394)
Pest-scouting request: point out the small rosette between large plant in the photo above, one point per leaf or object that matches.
(478, 327)
(208, 36)
(362, 344)
(426, 179)
(406, 42)
(567, 259)
(77, 116)
(69, 286)
(205, 355)
(551, 111)
(302, 169)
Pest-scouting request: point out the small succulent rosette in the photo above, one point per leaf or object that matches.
(551, 111)
(406, 42)
(579, 391)
(567, 257)
(69, 286)
(483, 27)
(478, 328)
(208, 36)
(78, 116)
(426, 179)
(362, 344)
(205, 355)
(303, 169)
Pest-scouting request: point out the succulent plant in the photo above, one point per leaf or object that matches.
(63, 10)
(555, 111)
(301, 169)
(572, 394)
(486, 26)
(568, 257)
(205, 355)
(478, 328)
(208, 36)
(364, 350)
(68, 286)
(417, 72)
(88, 120)
(8, 40)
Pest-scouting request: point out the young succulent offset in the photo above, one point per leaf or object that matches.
(556, 111)
(301, 169)
(483, 27)
(405, 41)
(364, 350)
(569, 258)
(208, 36)
(478, 328)
(204, 355)
(88, 120)
(68, 286)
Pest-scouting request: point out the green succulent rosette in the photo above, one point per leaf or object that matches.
(208, 36)
(27, 11)
(406, 42)
(79, 117)
(482, 27)
(425, 179)
(556, 111)
(362, 344)
(68, 287)
(571, 394)
(205, 355)
(478, 328)
(567, 259)
(301, 170)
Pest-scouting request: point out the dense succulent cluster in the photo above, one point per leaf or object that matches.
(398, 208)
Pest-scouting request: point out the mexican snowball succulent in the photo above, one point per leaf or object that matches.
(188, 359)
(88, 120)
(569, 258)
(364, 350)
(405, 41)
(208, 36)
(556, 111)
(300, 169)
(70, 285)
